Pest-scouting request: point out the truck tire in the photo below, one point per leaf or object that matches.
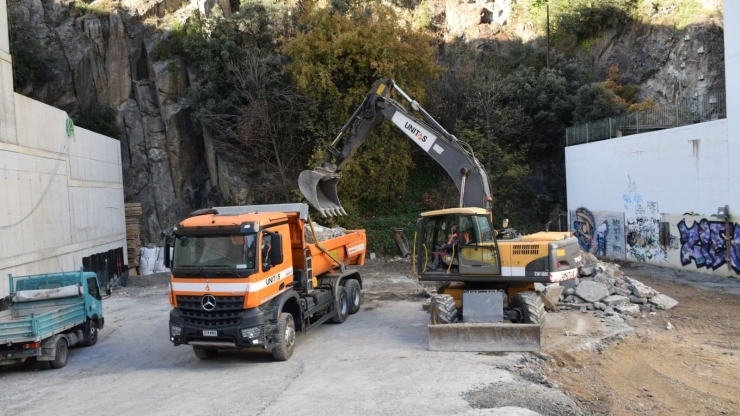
(61, 353)
(532, 307)
(354, 295)
(342, 306)
(92, 334)
(443, 310)
(286, 338)
(204, 353)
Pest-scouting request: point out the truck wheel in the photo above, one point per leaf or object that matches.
(92, 334)
(443, 310)
(342, 306)
(532, 307)
(204, 353)
(286, 338)
(61, 353)
(354, 295)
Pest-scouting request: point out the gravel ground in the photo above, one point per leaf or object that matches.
(376, 363)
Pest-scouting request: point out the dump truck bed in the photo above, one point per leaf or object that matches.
(348, 249)
(36, 321)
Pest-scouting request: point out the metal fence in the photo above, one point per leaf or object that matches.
(711, 106)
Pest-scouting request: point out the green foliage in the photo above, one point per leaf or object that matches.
(100, 119)
(334, 61)
(594, 102)
(174, 69)
(33, 62)
(423, 16)
(171, 44)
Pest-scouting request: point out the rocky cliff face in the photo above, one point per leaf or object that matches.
(170, 167)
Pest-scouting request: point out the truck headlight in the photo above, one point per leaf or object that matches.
(253, 332)
(175, 330)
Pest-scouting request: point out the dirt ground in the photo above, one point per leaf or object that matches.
(693, 368)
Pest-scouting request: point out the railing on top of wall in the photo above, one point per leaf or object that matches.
(711, 106)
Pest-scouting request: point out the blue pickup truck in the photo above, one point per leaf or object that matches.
(49, 313)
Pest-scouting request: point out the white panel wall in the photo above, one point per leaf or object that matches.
(732, 81)
(683, 169)
(61, 198)
(656, 178)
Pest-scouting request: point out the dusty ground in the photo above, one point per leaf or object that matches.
(691, 369)
(378, 362)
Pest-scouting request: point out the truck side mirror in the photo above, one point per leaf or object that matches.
(167, 259)
(276, 254)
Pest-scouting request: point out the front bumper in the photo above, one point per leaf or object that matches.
(227, 336)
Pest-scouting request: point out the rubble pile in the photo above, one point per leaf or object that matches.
(603, 288)
(323, 233)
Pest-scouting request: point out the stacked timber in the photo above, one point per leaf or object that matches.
(133, 234)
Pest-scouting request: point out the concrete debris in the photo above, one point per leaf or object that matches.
(601, 286)
(615, 300)
(628, 309)
(669, 326)
(663, 302)
(592, 291)
(323, 233)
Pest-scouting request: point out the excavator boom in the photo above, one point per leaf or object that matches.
(319, 186)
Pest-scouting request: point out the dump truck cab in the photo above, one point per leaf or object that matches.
(245, 277)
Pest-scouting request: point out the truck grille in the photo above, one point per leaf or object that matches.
(526, 249)
(228, 311)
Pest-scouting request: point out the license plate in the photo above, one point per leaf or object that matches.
(210, 333)
(578, 259)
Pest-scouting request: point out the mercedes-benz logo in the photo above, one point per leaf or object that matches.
(208, 302)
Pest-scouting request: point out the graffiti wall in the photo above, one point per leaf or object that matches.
(642, 228)
(703, 243)
(599, 232)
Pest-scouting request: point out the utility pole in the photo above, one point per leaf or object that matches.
(548, 35)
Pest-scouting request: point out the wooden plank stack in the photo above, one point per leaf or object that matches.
(133, 234)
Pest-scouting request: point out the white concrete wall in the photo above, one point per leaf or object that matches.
(732, 81)
(81, 213)
(7, 110)
(655, 178)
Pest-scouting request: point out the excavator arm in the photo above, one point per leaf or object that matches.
(319, 186)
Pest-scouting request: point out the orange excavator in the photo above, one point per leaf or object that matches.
(486, 278)
(246, 277)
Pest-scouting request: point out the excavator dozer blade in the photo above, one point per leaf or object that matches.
(485, 337)
(321, 191)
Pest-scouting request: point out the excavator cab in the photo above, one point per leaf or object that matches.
(456, 242)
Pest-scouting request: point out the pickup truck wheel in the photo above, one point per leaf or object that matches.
(61, 353)
(531, 306)
(204, 353)
(443, 310)
(342, 306)
(92, 335)
(286, 338)
(354, 295)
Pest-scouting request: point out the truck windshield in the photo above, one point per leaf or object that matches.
(236, 251)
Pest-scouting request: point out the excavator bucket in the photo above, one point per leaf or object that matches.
(485, 337)
(321, 191)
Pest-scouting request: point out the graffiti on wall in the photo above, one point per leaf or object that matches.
(600, 233)
(642, 228)
(704, 243)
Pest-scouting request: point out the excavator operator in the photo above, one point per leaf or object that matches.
(456, 237)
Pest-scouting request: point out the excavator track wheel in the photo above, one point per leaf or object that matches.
(443, 310)
(531, 306)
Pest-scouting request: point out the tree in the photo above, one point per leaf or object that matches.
(335, 59)
(594, 102)
(32, 61)
(264, 128)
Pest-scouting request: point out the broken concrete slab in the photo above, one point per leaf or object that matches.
(628, 309)
(592, 291)
(615, 300)
(663, 302)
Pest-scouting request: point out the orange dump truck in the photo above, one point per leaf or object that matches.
(245, 277)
